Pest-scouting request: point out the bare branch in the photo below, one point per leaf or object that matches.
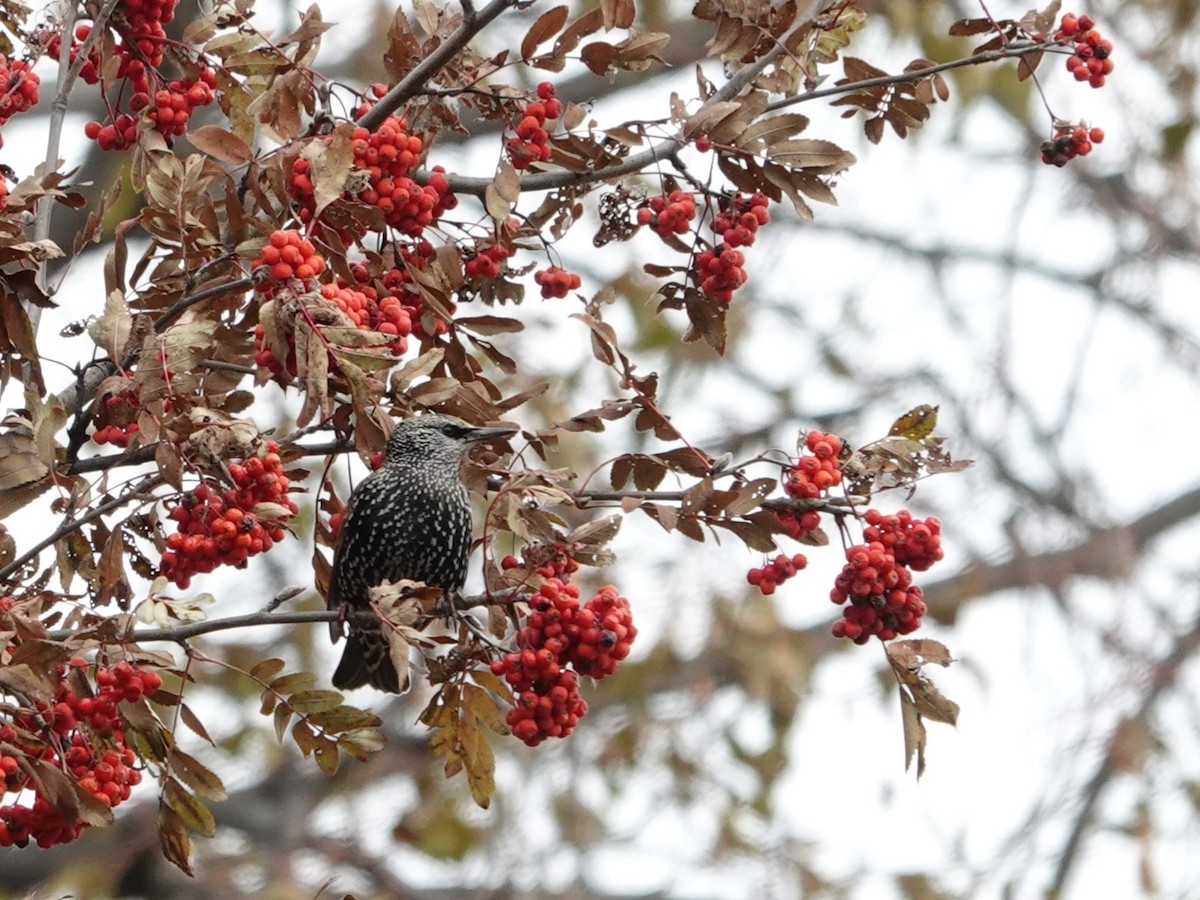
(422, 73)
(136, 492)
(180, 634)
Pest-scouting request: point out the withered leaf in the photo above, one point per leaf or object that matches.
(220, 144)
(545, 27)
(916, 424)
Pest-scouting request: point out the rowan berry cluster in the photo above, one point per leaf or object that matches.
(560, 640)
(1091, 60)
(877, 577)
(83, 734)
(718, 270)
(739, 218)
(1069, 142)
(387, 316)
(225, 527)
(174, 104)
(556, 282)
(799, 524)
(817, 471)
(488, 261)
(139, 38)
(531, 143)
(914, 543)
(119, 414)
(385, 156)
(288, 254)
(777, 571)
(672, 214)
(18, 89)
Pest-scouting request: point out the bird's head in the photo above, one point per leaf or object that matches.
(434, 436)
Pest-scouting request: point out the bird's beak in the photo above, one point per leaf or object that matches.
(481, 435)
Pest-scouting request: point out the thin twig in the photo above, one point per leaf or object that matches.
(987, 56)
(422, 73)
(1165, 674)
(149, 483)
(180, 634)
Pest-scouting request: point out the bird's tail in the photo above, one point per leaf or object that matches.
(366, 661)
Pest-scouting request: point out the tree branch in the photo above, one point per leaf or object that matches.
(422, 73)
(149, 483)
(1104, 553)
(1014, 50)
(180, 634)
(1165, 674)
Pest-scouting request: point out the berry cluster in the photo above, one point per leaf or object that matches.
(1091, 60)
(532, 142)
(672, 214)
(386, 304)
(390, 315)
(777, 571)
(814, 474)
(799, 524)
(913, 543)
(1069, 142)
(227, 527)
(116, 418)
(556, 282)
(173, 105)
(877, 577)
(385, 157)
(85, 733)
(740, 217)
(287, 255)
(139, 39)
(487, 261)
(718, 270)
(560, 640)
(18, 89)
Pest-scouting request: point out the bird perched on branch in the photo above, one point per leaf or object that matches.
(411, 518)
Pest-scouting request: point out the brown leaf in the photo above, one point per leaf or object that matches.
(914, 734)
(772, 130)
(545, 27)
(266, 669)
(329, 165)
(916, 424)
(907, 659)
(315, 701)
(194, 814)
(112, 330)
(220, 144)
(293, 683)
(174, 838)
(809, 154)
(192, 721)
(1028, 64)
(968, 27)
(197, 776)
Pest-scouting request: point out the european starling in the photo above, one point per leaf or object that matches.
(411, 518)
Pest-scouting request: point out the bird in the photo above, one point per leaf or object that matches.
(411, 518)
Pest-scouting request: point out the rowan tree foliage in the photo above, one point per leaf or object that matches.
(294, 257)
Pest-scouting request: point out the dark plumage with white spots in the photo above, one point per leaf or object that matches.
(411, 518)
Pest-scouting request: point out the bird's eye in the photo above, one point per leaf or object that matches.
(453, 431)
